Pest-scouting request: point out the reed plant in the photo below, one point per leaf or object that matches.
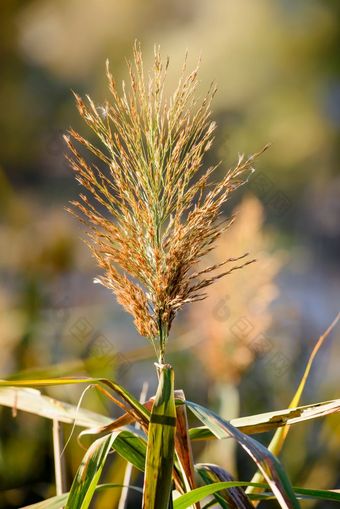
(152, 213)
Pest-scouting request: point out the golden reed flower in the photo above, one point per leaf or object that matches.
(238, 310)
(151, 213)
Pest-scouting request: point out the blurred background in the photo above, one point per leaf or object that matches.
(277, 66)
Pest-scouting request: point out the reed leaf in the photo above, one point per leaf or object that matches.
(183, 445)
(132, 448)
(130, 445)
(133, 406)
(32, 401)
(265, 461)
(232, 498)
(301, 494)
(186, 500)
(269, 421)
(88, 474)
(280, 435)
(199, 494)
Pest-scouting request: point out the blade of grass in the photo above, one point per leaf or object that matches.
(131, 448)
(265, 460)
(50, 503)
(88, 474)
(161, 444)
(198, 494)
(232, 498)
(128, 469)
(183, 445)
(297, 396)
(32, 401)
(303, 494)
(138, 410)
(186, 500)
(130, 445)
(122, 421)
(280, 435)
(272, 420)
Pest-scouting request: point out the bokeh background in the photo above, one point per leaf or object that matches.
(277, 65)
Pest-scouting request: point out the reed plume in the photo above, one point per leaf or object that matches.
(238, 310)
(151, 212)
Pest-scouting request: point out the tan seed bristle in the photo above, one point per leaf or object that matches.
(153, 217)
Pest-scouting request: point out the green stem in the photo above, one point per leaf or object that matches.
(157, 491)
(163, 336)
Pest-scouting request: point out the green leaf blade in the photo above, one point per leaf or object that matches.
(232, 498)
(265, 461)
(88, 474)
(132, 448)
(198, 494)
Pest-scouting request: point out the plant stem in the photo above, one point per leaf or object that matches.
(59, 463)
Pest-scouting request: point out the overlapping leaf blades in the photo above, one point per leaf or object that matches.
(88, 474)
(132, 446)
(269, 466)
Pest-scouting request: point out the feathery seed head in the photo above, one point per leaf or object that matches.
(153, 213)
